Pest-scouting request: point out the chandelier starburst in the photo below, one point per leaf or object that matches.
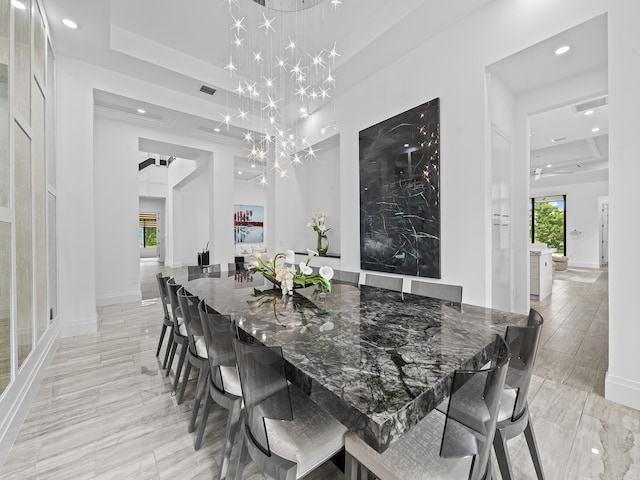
(294, 71)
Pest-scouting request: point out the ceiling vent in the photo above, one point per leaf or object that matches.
(591, 104)
(208, 90)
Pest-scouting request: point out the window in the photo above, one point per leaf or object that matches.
(548, 222)
(147, 231)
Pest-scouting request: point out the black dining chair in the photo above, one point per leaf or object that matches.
(224, 383)
(179, 336)
(514, 418)
(286, 434)
(167, 322)
(382, 281)
(196, 350)
(442, 291)
(343, 276)
(452, 446)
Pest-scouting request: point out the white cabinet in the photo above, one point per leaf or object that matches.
(540, 272)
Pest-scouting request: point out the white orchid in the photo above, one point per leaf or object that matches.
(312, 252)
(290, 257)
(305, 269)
(286, 274)
(326, 272)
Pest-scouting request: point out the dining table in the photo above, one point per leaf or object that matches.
(377, 360)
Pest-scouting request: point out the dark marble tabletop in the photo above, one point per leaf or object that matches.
(376, 359)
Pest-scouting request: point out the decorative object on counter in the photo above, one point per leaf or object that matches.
(319, 224)
(400, 193)
(286, 276)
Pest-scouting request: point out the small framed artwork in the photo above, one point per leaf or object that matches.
(248, 224)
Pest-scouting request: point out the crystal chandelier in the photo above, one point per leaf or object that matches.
(281, 78)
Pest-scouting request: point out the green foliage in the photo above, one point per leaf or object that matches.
(549, 225)
(150, 239)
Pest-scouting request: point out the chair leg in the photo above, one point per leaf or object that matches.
(502, 455)
(232, 426)
(162, 332)
(533, 449)
(174, 346)
(183, 354)
(350, 467)
(185, 380)
(242, 459)
(202, 378)
(203, 421)
(169, 348)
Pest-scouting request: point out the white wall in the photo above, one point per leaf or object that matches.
(623, 378)
(583, 215)
(311, 188)
(76, 244)
(116, 212)
(194, 217)
(450, 66)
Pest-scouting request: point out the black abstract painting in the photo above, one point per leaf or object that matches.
(400, 193)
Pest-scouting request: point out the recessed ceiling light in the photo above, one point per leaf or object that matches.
(558, 139)
(142, 111)
(239, 172)
(216, 129)
(562, 50)
(588, 112)
(406, 145)
(549, 166)
(18, 5)
(303, 110)
(595, 129)
(253, 166)
(70, 23)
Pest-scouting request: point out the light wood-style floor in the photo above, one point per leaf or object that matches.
(104, 409)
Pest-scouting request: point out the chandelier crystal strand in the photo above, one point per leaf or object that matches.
(279, 79)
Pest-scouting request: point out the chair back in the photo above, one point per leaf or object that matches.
(381, 281)
(164, 294)
(189, 307)
(442, 291)
(523, 343)
(342, 276)
(172, 289)
(264, 389)
(218, 339)
(473, 411)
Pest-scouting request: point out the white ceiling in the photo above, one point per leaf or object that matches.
(577, 148)
(183, 45)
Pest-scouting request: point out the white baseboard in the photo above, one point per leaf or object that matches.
(622, 390)
(124, 297)
(17, 398)
(583, 265)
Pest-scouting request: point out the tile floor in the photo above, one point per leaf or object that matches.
(104, 409)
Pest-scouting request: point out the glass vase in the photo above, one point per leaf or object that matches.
(323, 245)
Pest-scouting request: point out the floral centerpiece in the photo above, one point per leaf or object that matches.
(282, 271)
(318, 223)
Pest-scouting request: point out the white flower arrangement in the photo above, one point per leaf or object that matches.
(319, 223)
(287, 276)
